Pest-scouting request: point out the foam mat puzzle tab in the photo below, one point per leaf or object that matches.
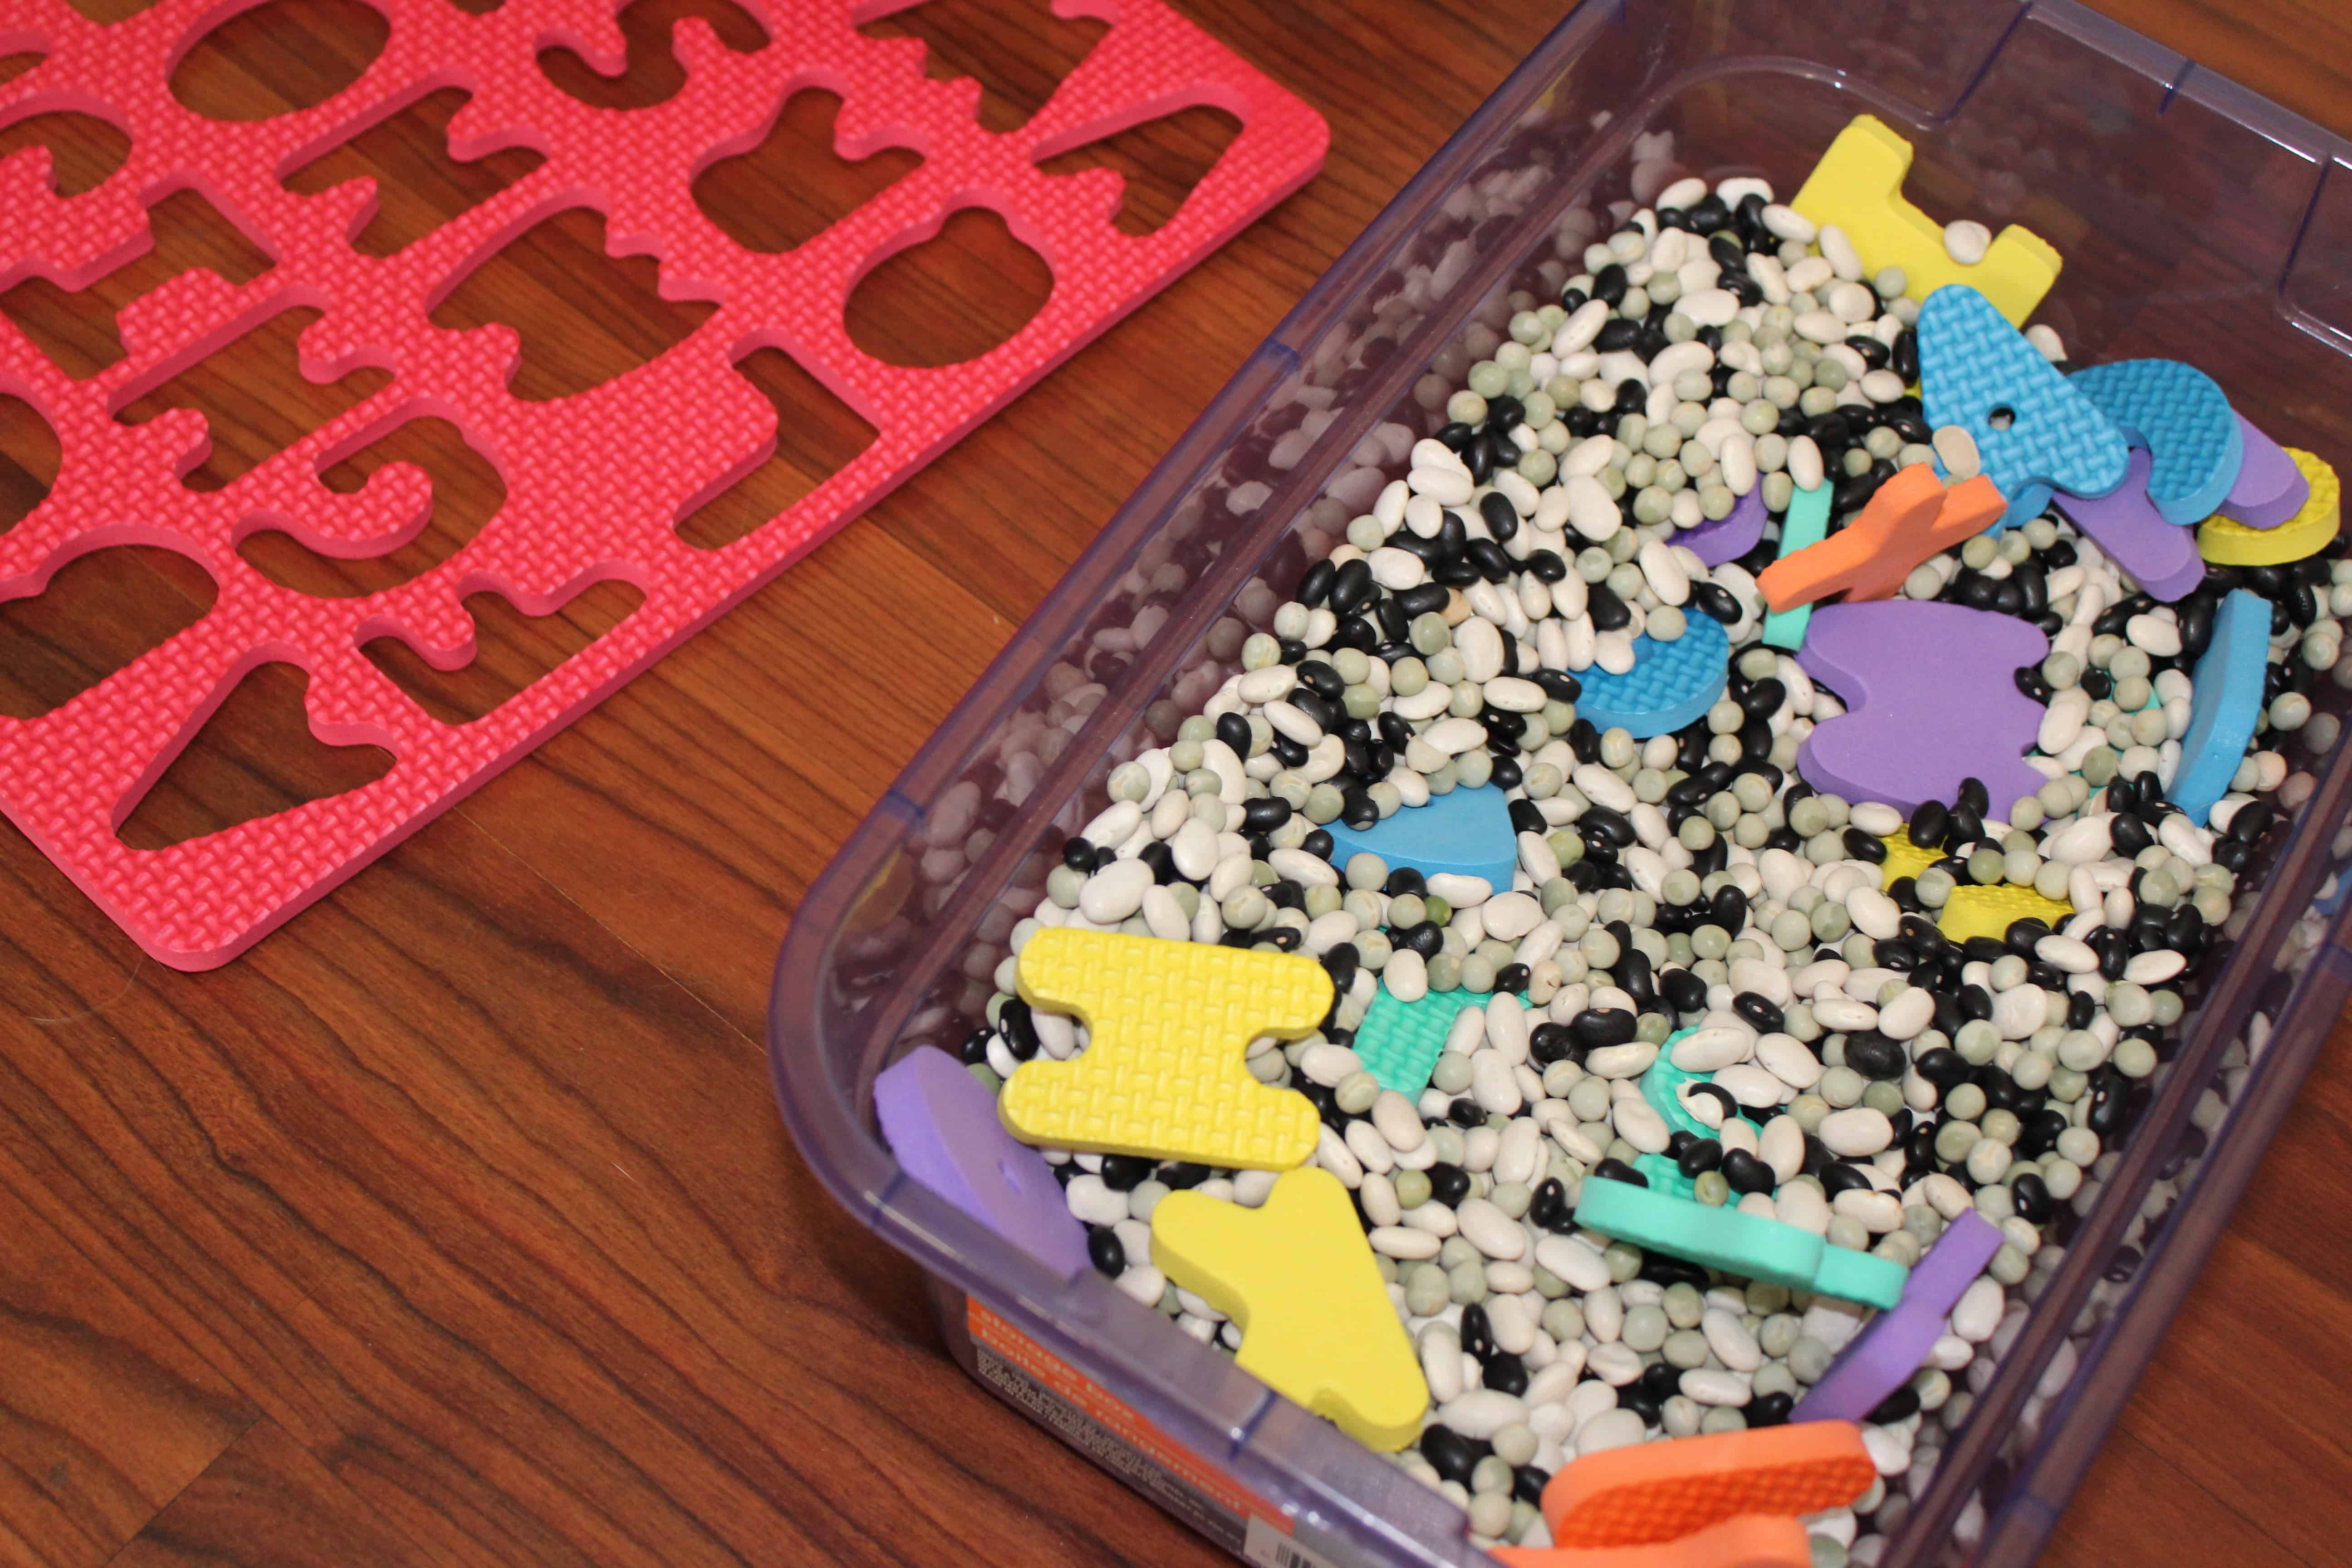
(1891, 1347)
(1858, 185)
(1167, 1023)
(1299, 1278)
(1805, 524)
(2226, 701)
(1910, 518)
(595, 483)
(2270, 486)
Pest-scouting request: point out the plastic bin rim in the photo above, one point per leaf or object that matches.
(851, 1163)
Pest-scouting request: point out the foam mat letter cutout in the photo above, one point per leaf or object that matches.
(1299, 1278)
(1169, 1022)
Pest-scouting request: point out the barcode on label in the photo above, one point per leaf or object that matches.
(1266, 1548)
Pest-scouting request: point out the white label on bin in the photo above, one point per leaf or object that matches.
(1268, 1547)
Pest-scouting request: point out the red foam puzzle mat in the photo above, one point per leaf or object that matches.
(595, 483)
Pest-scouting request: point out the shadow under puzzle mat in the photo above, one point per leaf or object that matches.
(596, 482)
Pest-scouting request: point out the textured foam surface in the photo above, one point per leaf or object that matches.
(1932, 698)
(1990, 910)
(1881, 1358)
(1671, 683)
(1910, 518)
(1970, 911)
(596, 483)
(1974, 365)
(2145, 542)
(2270, 486)
(2230, 544)
(1858, 185)
(2179, 414)
(2225, 700)
(1167, 1023)
(1400, 1042)
(940, 1122)
(1464, 831)
(1904, 858)
(1746, 1541)
(1299, 1278)
(1735, 1242)
(1654, 1492)
(1804, 524)
(1731, 536)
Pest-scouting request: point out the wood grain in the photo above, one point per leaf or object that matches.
(455, 1223)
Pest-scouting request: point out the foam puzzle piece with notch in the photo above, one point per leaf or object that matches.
(1974, 367)
(1400, 1042)
(2228, 543)
(2270, 486)
(1168, 1024)
(1910, 518)
(1299, 1278)
(1731, 536)
(1805, 524)
(1892, 1345)
(1858, 185)
(1737, 1243)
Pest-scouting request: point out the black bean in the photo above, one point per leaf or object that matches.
(1599, 1026)
(1608, 611)
(1315, 586)
(1873, 1055)
(1618, 1171)
(1449, 1184)
(1452, 1455)
(1105, 1250)
(1897, 1407)
(2032, 1196)
(1746, 1173)
(1703, 1155)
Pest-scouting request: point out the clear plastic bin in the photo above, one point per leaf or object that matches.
(2197, 220)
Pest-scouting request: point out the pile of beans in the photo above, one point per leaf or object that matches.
(1872, 1078)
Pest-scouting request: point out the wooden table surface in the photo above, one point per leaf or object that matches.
(455, 1223)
